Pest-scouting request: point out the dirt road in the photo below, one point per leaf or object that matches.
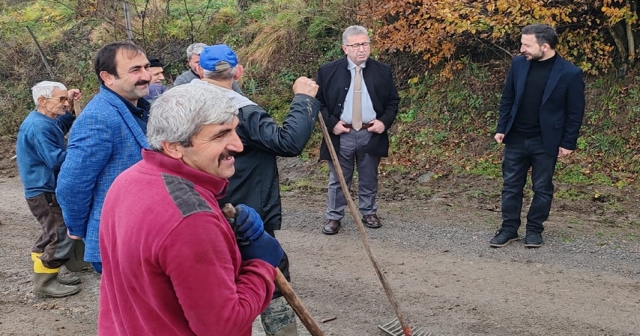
(434, 253)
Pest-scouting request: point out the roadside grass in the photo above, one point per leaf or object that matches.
(573, 194)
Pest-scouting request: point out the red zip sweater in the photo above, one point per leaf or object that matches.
(171, 265)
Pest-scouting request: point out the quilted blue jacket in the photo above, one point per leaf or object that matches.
(104, 141)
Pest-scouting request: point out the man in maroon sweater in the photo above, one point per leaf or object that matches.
(171, 264)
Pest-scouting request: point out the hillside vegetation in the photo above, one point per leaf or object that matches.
(450, 59)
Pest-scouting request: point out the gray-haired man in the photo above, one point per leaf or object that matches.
(164, 238)
(40, 151)
(193, 58)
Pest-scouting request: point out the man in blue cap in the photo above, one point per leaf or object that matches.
(256, 182)
(193, 58)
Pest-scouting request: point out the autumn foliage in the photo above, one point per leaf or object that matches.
(597, 35)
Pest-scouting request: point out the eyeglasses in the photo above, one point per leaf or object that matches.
(62, 99)
(358, 45)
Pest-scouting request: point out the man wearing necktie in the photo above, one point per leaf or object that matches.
(359, 104)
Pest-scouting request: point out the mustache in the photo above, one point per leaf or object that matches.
(227, 154)
(142, 82)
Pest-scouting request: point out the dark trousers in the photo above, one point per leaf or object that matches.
(520, 154)
(283, 266)
(54, 244)
(351, 155)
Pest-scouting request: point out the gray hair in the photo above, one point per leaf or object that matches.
(195, 49)
(353, 31)
(180, 113)
(45, 89)
(225, 74)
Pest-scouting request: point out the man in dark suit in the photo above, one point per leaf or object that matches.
(540, 117)
(359, 104)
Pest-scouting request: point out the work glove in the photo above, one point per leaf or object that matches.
(247, 225)
(264, 248)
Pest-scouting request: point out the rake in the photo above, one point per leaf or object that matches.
(402, 325)
(394, 328)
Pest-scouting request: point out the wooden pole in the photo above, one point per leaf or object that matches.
(296, 304)
(44, 59)
(305, 317)
(127, 21)
(363, 234)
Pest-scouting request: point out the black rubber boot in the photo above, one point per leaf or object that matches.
(68, 280)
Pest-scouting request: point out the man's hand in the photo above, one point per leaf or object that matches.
(265, 248)
(248, 224)
(339, 128)
(72, 236)
(74, 94)
(377, 127)
(499, 137)
(306, 86)
(562, 152)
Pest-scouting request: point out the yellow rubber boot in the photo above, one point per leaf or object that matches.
(45, 281)
(69, 280)
(34, 256)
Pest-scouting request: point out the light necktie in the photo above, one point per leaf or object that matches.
(356, 111)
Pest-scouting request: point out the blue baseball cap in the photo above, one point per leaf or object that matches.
(218, 57)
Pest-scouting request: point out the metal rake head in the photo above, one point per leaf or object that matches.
(394, 328)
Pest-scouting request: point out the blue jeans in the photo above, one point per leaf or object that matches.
(97, 266)
(520, 154)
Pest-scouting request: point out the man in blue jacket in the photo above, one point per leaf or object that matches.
(107, 139)
(40, 151)
(541, 113)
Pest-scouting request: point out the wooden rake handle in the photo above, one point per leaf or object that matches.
(363, 234)
(76, 108)
(288, 293)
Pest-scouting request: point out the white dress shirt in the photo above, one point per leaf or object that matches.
(368, 113)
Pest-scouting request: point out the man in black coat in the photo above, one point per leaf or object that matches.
(359, 104)
(541, 113)
(255, 181)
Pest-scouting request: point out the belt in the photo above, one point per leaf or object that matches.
(364, 126)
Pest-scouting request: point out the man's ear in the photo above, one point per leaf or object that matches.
(200, 72)
(41, 100)
(172, 150)
(106, 77)
(239, 72)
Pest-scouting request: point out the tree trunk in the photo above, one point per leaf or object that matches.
(630, 37)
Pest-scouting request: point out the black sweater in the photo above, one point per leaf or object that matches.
(528, 115)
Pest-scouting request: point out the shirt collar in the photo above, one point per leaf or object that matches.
(351, 65)
(140, 111)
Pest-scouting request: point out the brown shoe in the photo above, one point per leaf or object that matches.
(331, 226)
(371, 221)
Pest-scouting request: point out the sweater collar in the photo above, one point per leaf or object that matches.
(217, 186)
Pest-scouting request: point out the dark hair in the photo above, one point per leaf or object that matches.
(544, 34)
(155, 63)
(105, 59)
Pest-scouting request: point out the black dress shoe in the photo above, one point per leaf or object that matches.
(371, 221)
(533, 239)
(331, 226)
(502, 238)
